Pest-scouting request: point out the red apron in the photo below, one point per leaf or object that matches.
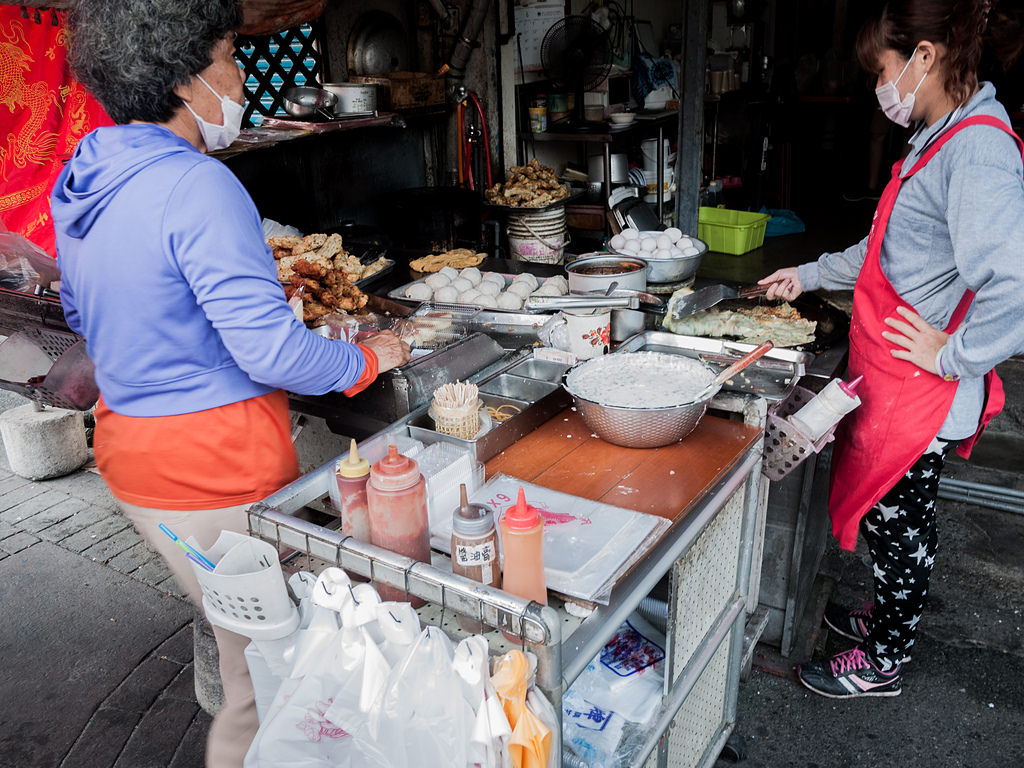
(902, 406)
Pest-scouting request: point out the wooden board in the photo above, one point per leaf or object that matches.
(563, 454)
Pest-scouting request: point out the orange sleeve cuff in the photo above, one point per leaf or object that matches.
(369, 372)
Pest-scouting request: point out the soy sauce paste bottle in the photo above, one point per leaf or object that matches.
(474, 549)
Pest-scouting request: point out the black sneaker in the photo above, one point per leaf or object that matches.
(848, 675)
(853, 625)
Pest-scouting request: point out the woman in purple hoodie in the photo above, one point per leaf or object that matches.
(166, 275)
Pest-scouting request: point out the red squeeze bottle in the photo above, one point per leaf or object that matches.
(522, 543)
(396, 495)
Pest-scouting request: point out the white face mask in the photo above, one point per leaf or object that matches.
(220, 136)
(889, 98)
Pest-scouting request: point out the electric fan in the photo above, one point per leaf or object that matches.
(576, 54)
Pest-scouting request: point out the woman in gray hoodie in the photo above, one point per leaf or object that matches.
(937, 285)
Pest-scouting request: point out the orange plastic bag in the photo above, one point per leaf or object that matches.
(531, 739)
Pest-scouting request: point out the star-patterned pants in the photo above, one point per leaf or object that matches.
(901, 535)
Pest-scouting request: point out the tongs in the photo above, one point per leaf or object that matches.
(622, 298)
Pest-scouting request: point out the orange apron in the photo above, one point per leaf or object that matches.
(903, 407)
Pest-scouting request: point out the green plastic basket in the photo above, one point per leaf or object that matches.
(729, 231)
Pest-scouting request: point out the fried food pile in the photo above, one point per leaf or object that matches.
(528, 186)
(457, 258)
(323, 250)
(324, 290)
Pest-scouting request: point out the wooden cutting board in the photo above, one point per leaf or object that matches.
(564, 455)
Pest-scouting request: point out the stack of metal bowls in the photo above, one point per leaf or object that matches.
(305, 102)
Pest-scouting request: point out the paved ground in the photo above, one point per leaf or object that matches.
(96, 644)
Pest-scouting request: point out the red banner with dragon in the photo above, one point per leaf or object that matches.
(47, 113)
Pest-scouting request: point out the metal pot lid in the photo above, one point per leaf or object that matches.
(378, 44)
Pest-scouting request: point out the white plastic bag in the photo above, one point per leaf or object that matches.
(421, 717)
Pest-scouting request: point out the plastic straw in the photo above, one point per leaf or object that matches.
(190, 552)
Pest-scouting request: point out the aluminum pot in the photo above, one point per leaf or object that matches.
(595, 272)
(353, 97)
(305, 101)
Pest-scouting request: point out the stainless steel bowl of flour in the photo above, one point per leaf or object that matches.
(642, 399)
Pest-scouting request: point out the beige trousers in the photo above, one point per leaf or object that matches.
(235, 726)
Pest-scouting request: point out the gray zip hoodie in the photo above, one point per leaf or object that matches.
(958, 223)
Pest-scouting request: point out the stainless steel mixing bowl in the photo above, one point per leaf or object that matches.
(637, 426)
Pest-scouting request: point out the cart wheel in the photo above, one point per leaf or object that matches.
(735, 749)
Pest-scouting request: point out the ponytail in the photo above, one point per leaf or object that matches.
(1004, 32)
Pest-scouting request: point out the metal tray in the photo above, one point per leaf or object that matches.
(772, 377)
(538, 399)
(398, 295)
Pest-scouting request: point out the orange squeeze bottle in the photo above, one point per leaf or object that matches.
(522, 542)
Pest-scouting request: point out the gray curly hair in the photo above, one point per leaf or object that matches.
(131, 54)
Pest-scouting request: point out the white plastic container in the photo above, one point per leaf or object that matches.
(826, 409)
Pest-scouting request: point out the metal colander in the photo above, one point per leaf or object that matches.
(638, 426)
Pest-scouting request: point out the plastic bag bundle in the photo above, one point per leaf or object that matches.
(605, 712)
(359, 683)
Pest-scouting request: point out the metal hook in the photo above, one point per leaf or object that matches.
(397, 620)
(444, 606)
(323, 584)
(352, 592)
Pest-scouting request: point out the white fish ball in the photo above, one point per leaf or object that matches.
(684, 242)
(691, 251)
(450, 272)
(470, 273)
(630, 234)
(487, 300)
(631, 246)
(547, 290)
(471, 296)
(419, 292)
(488, 287)
(649, 245)
(528, 278)
(461, 284)
(446, 295)
(509, 300)
(664, 243)
(663, 253)
(558, 282)
(493, 277)
(436, 281)
(520, 288)
(616, 242)
(673, 233)
(676, 253)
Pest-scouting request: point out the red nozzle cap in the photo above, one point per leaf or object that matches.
(851, 387)
(395, 471)
(521, 517)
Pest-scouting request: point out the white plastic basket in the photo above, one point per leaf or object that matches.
(246, 591)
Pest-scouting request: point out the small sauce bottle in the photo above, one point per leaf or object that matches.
(474, 549)
(352, 473)
(522, 542)
(396, 496)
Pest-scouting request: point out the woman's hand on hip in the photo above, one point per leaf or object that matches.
(916, 340)
(782, 284)
(391, 351)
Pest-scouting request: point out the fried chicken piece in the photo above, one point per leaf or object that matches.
(287, 242)
(309, 243)
(330, 248)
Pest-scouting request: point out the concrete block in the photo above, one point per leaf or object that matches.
(206, 661)
(46, 443)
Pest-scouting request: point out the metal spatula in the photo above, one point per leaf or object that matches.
(680, 305)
